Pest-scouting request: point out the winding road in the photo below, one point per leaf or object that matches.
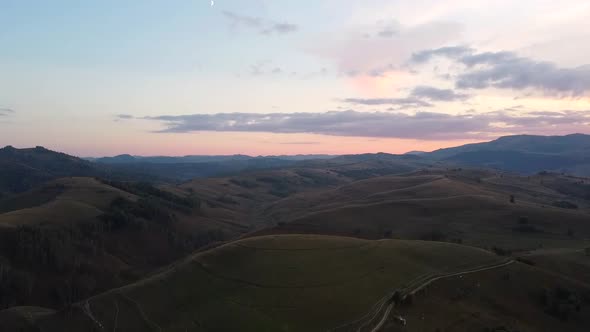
(431, 280)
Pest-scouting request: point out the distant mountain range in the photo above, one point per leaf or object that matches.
(524, 154)
(127, 158)
(22, 169)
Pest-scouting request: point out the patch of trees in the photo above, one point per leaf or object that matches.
(227, 200)
(280, 187)
(15, 285)
(565, 205)
(126, 213)
(145, 189)
(525, 227)
(316, 178)
(525, 261)
(434, 235)
(560, 302)
(45, 248)
(498, 329)
(35, 255)
(244, 183)
(501, 251)
(191, 242)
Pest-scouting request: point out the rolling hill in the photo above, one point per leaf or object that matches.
(524, 154)
(470, 206)
(74, 237)
(272, 283)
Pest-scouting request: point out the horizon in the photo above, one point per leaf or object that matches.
(266, 78)
(274, 155)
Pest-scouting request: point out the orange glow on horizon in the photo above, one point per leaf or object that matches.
(383, 85)
(255, 144)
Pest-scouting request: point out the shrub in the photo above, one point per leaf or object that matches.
(434, 235)
(526, 229)
(565, 205)
(501, 251)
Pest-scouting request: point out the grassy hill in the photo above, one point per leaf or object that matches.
(524, 153)
(470, 206)
(515, 298)
(272, 283)
(75, 237)
(25, 169)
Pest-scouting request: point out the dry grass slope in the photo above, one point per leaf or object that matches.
(272, 283)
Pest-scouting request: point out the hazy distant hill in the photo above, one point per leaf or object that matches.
(188, 167)
(22, 169)
(127, 158)
(525, 154)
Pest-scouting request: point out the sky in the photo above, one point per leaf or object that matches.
(267, 77)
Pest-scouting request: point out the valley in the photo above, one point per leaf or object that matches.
(330, 244)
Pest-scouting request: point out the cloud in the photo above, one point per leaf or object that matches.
(281, 28)
(421, 125)
(355, 53)
(420, 96)
(5, 111)
(449, 52)
(408, 102)
(124, 116)
(436, 94)
(261, 25)
(506, 70)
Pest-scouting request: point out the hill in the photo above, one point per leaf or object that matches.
(23, 169)
(516, 298)
(189, 167)
(273, 283)
(75, 237)
(126, 158)
(524, 154)
(467, 205)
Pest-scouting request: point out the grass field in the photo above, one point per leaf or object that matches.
(506, 299)
(473, 207)
(59, 201)
(272, 283)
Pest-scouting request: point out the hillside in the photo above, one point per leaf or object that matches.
(22, 169)
(471, 206)
(74, 237)
(516, 298)
(274, 283)
(524, 154)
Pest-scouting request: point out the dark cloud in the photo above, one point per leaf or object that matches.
(400, 102)
(387, 32)
(506, 70)
(421, 125)
(6, 111)
(419, 97)
(281, 28)
(124, 116)
(449, 52)
(436, 94)
(263, 26)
